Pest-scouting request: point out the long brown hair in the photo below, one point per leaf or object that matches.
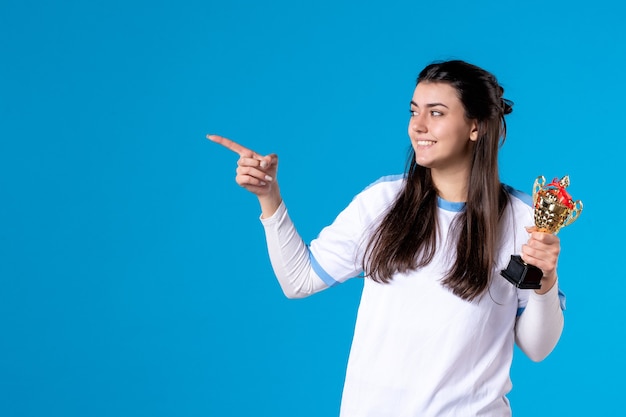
(406, 239)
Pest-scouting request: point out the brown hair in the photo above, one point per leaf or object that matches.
(406, 238)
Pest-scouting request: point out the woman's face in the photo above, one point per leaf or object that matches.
(441, 135)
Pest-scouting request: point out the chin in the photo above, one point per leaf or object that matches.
(423, 163)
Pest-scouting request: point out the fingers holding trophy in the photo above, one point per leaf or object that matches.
(554, 209)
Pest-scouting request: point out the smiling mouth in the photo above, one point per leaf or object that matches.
(425, 142)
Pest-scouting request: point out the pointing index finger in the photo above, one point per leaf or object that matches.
(229, 144)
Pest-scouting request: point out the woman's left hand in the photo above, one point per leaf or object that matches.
(542, 250)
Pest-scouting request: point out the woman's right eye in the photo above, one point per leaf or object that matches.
(413, 112)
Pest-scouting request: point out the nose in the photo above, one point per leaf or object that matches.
(418, 123)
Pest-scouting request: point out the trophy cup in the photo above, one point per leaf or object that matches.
(554, 209)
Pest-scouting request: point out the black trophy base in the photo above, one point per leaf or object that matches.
(522, 275)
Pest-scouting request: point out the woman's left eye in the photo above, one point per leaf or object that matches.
(436, 113)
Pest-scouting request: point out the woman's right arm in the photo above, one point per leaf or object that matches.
(290, 256)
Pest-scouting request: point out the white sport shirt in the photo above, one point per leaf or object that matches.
(419, 350)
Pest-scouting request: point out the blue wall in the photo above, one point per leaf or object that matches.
(133, 274)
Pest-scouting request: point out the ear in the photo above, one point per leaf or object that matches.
(474, 131)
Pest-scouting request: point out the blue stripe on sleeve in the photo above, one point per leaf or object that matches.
(328, 280)
(386, 178)
(562, 299)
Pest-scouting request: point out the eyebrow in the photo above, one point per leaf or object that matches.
(429, 105)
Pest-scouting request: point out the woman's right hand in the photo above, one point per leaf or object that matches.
(255, 173)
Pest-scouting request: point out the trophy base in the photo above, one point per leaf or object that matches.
(522, 275)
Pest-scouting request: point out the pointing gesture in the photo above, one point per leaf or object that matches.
(256, 173)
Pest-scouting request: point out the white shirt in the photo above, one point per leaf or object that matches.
(419, 350)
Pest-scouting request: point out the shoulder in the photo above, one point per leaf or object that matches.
(387, 185)
(518, 198)
(379, 195)
(520, 204)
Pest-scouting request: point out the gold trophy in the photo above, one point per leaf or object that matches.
(554, 209)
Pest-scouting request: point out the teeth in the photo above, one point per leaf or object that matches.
(425, 142)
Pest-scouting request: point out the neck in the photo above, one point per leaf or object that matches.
(451, 186)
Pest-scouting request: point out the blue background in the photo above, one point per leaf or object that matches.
(134, 279)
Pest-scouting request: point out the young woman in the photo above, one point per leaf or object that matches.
(436, 324)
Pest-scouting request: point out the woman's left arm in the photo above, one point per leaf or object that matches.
(539, 327)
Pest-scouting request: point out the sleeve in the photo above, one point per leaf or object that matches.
(332, 258)
(290, 257)
(336, 255)
(540, 324)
